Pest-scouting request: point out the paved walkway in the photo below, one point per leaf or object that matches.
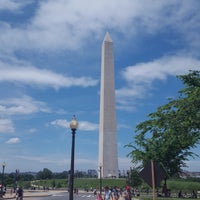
(32, 193)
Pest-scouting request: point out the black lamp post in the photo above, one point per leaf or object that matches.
(100, 179)
(16, 178)
(128, 178)
(2, 181)
(73, 126)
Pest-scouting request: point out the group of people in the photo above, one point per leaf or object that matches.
(19, 192)
(115, 193)
(192, 195)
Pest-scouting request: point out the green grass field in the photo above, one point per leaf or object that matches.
(90, 183)
(87, 183)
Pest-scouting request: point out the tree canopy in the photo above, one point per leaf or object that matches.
(171, 132)
(45, 174)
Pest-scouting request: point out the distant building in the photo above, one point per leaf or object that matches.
(186, 174)
(92, 172)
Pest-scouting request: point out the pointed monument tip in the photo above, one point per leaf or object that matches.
(107, 37)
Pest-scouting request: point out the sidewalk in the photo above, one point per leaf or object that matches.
(31, 193)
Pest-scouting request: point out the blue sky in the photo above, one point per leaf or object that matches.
(50, 57)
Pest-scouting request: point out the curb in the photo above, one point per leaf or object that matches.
(28, 196)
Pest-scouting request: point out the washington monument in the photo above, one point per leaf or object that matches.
(108, 156)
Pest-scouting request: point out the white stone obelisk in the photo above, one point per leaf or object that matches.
(108, 155)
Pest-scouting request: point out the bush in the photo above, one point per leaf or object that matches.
(186, 186)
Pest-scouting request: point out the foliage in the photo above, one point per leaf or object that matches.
(25, 184)
(193, 179)
(45, 174)
(186, 186)
(81, 183)
(51, 183)
(134, 179)
(62, 175)
(13, 178)
(17, 178)
(170, 133)
(87, 183)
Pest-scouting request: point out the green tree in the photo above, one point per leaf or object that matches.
(172, 131)
(53, 183)
(61, 175)
(45, 174)
(134, 179)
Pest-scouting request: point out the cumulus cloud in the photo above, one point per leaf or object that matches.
(82, 125)
(159, 69)
(62, 26)
(13, 140)
(88, 126)
(41, 77)
(60, 122)
(12, 5)
(23, 105)
(6, 126)
(140, 77)
(76, 22)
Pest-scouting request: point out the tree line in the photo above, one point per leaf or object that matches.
(14, 177)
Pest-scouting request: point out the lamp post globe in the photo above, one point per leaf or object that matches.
(4, 164)
(73, 126)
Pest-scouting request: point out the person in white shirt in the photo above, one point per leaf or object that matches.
(107, 194)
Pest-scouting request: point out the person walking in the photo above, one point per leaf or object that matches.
(19, 195)
(127, 193)
(107, 194)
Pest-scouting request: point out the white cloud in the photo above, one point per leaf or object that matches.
(60, 122)
(32, 130)
(13, 140)
(140, 77)
(42, 77)
(88, 126)
(76, 22)
(82, 125)
(6, 126)
(69, 25)
(13, 5)
(160, 69)
(24, 105)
